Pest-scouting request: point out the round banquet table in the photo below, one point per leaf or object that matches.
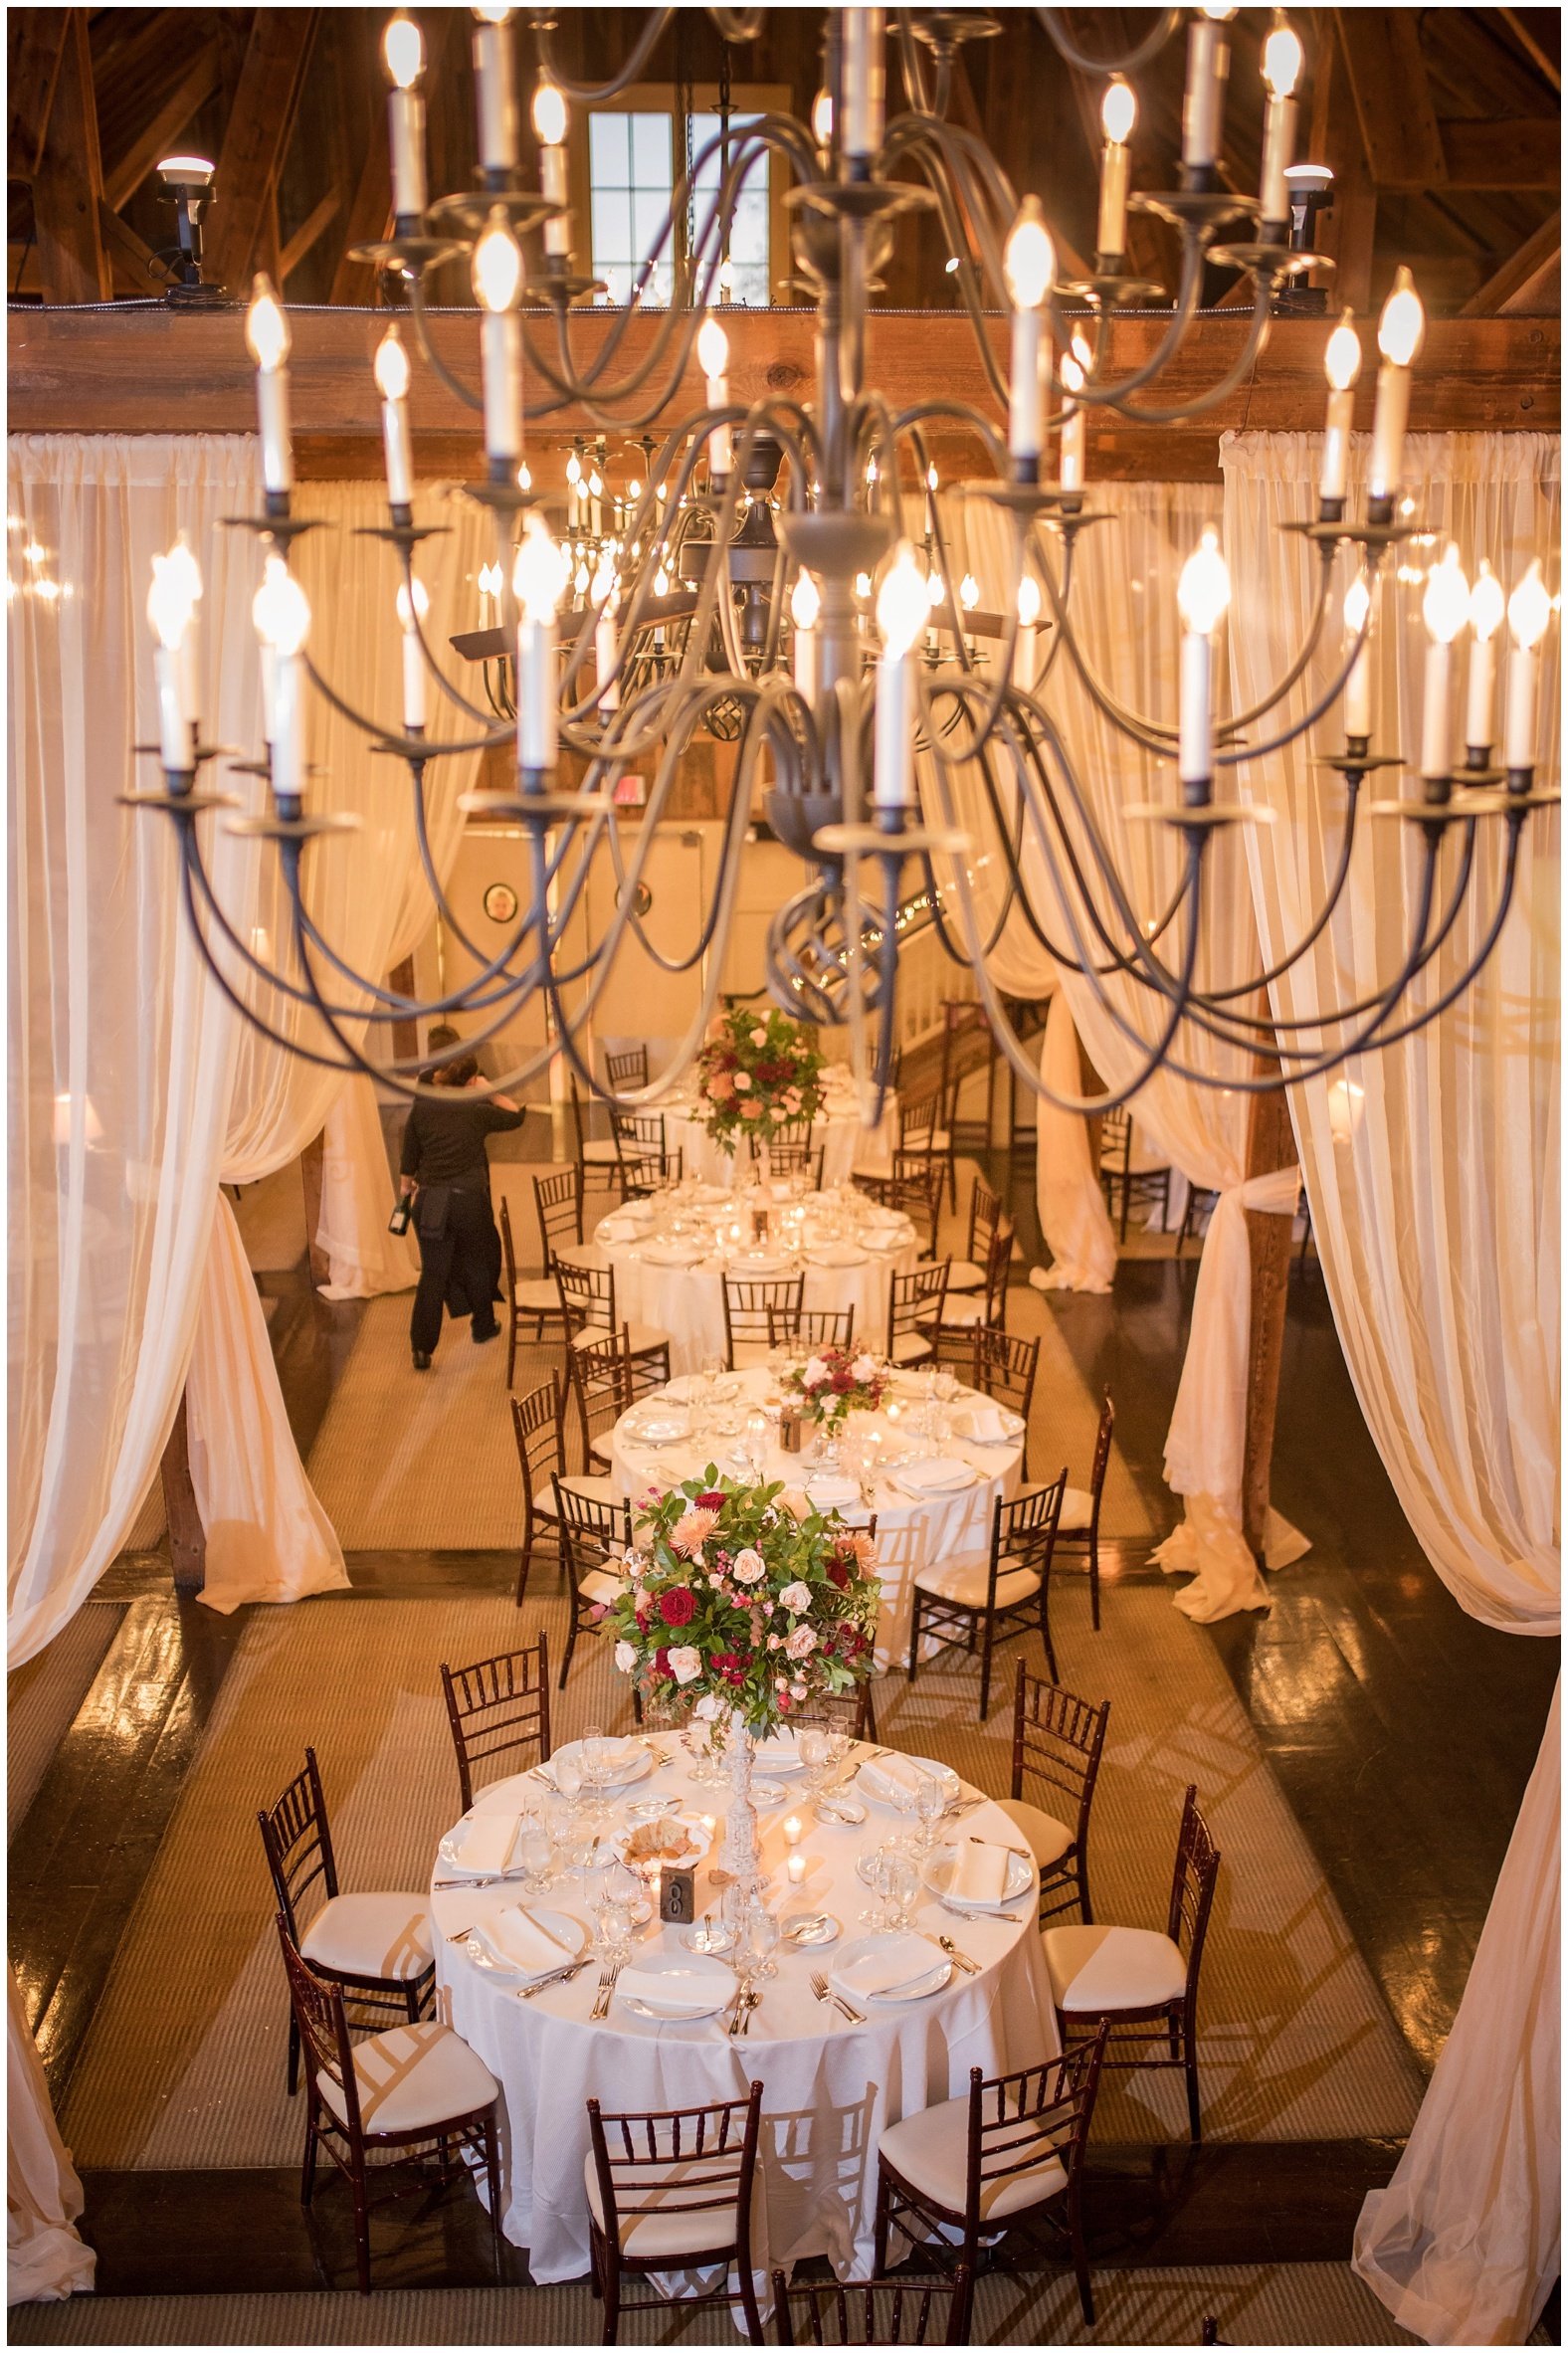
(846, 1145)
(830, 2087)
(913, 1532)
(687, 1300)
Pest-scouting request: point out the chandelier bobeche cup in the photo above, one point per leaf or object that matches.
(757, 579)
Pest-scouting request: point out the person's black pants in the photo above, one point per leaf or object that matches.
(465, 1257)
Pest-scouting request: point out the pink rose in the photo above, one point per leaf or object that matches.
(741, 1081)
(801, 1643)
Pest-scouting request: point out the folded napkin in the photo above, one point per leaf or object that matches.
(487, 1843)
(889, 1967)
(984, 1422)
(780, 1748)
(684, 1388)
(515, 1938)
(623, 1757)
(886, 1774)
(980, 1873)
(673, 1989)
(619, 1230)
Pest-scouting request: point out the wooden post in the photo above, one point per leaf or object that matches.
(311, 1182)
(1270, 1144)
(187, 1536)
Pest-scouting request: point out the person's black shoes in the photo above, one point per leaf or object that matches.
(421, 1361)
(493, 1334)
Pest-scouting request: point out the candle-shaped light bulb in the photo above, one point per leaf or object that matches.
(1445, 608)
(268, 339)
(1341, 365)
(184, 573)
(403, 47)
(1399, 334)
(969, 592)
(549, 124)
(713, 353)
(1202, 595)
(1485, 619)
(805, 606)
(537, 580)
(263, 609)
(281, 613)
(865, 82)
(1029, 266)
(1283, 57)
(1069, 465)
(497, 282)
(413, 612)
(1119, 112)
(822, 117)
(902, 608)
(607, 596)
(171, 609)
(1203, 101)
(1529, 611)
(1028, 623)
(1358, 685)
(496, 89)
(393, 377)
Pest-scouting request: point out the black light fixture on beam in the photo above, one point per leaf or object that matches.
(187, 182)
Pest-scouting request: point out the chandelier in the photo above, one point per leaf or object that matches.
(760, 576)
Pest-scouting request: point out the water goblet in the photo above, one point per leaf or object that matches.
(535, 1853)
(875, 1860)
(762, 1936)
(735, 1908)
(901, 1884)
(569, 1776)
(811, 1747)
(945, 1385)
(931, 1804)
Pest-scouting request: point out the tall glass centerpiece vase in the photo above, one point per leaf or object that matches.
(740, 1855)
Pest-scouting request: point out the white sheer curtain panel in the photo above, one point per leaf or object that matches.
(357, 1199)
(1432, 1170)
(120, 1049)
(268, 1537)
(1072, 1215)
(46, 2259)
(1124, 618)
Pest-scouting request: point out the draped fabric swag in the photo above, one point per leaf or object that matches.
(1432, 1170)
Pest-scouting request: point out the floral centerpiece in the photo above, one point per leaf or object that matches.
(831, 1384)
(744, 1604)
(757, 1073)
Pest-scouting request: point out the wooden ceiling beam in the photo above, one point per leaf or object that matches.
(1521, 154)
(256, 139)
(195, 87)
(67, 185)
(369, 215)
(35, 44)
(1514, 18)
(1347, 231)
(1520, 273)
(1388, 79)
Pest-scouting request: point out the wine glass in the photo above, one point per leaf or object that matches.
(762, 1936)
(900, 1881)
(811, 1747)
(734, 1909)
(931, 1804)
(569, 1776)
(534, 1852)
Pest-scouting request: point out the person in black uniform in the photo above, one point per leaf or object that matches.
(445, 1166)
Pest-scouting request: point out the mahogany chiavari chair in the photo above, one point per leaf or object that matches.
(592, 1531)
(898, 2311)
(914, 1315)
(961, 1606)
(671, 2189)
(1057, 1740)
(497, 1707)
(750, 1309)
(812, 1327)
(529, 1299)
(1080, 1529)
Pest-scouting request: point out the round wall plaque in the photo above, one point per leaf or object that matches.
(500, 902)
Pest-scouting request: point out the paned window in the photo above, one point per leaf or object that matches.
(629, 159)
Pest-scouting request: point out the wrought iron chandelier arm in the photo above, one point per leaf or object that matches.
(1141, 54)
(911, 67)
(372, 727)
(1430, 1013)
(1094, 394)
(288, 1046)
(1237, 720)
(459, 700)
(1150, 734)
(595, 94)
(431, 356)
(1252, 351)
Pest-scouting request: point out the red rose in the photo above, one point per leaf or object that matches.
(714, 1503)
(677, 1606)
(838, 1574)
(661, 1665)
(842, 1383)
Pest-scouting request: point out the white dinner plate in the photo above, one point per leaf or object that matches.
(656, 1425)
(672, 1254)
(938, 1869)
(634, 1763)
(707, 1984)
(864, 1950)
(696, 1831)
(942, 1773)
(835, 1253)
(571, 1932)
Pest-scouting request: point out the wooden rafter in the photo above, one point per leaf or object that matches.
(36, 39)
(1388, 79)
(1521, 154)
(1514, 18)
(1346, 233)
(256, 139)
(1524, 273)
(67, 184)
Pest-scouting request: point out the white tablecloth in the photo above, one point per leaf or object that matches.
(846, 1144)
(910, 1536)
(830, 2088)
(688, 1302)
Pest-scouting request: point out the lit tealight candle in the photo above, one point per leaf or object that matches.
(404, 50)
(1203, 594)
(795, 1871)
(794, 1830)
(269, 339)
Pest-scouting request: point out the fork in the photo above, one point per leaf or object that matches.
(742, 2007)
(607, 1985)
(827, 1993)
(960, 1912)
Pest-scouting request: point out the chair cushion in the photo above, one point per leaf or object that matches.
(412, 2079)
(964, 1275)
(931, 2149)
(539, 1296)
(1098, 1969)
(670, 2229)
(601, 1149)
(581, 1484)
(600, 1586)
(1077, 1509)
(373, 1935)
(642, 1338)
(1049, 1838)
(965, 1583)
(909, 1348)
(959, 1312)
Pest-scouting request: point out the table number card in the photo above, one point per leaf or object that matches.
(678, 1896)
